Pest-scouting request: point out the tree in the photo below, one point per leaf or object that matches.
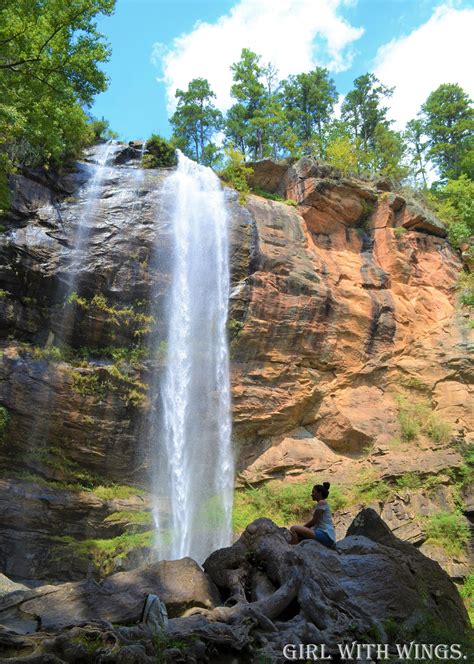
(309, 101)
(49, 71)
(246, 119)
(362, 108)
(196, 120)
(454, 204)
(449, 124)
(417, 146)
(388, 153)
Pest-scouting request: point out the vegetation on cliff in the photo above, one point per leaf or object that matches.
(49, 72)
(276, 119)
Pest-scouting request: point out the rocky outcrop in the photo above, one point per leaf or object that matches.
(276, 594)
(343, 309)
(181, 584)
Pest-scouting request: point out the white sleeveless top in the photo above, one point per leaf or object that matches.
(325, 519)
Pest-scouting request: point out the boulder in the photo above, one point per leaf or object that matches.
(373, 588)
(181, 584)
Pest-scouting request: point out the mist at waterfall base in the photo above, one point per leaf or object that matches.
(190, 424)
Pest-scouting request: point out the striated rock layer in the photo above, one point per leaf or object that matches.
(342, 309)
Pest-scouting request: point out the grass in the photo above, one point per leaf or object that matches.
(416, 417)
(4, 421)
(449, 530)
(280, 501)
(467, 593)
(102, 552)
(273, 197)
(104, 492)
(399, 231)
(162, 641)
(114, 378)
(132, 521)
(117, 491)
(138, 322)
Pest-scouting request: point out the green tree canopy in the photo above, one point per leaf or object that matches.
(308, 100)
(449, 124)
(50, 51)
(246, 119)
(417, 145)
(196, 120)
(362, 108)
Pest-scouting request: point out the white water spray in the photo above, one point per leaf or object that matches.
(195, 470)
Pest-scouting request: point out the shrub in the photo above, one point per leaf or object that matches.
(466, 284)
(4, 421)
(467, 593)
(399, 231)
(449, 530)
(236, 173)
(416, 417)
(159, 152)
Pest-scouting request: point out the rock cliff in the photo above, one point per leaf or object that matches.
(350, 357)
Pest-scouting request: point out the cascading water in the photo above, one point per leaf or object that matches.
(91, 198)
(194, 475)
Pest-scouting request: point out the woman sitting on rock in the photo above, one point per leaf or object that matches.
(320, 527)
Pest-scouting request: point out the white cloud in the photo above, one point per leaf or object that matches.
(437, 52)
(295, 35)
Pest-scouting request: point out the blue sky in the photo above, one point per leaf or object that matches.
(158, 45)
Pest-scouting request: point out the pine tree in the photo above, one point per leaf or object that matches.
(196, 120)
(449, 124)
(417, 147)
(309, 101)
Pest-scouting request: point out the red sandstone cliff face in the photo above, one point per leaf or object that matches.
(343, 310)
(349, 318)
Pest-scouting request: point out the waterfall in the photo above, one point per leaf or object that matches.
(91, 199)
(194, 475)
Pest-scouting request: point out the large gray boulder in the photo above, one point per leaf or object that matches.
(181, 584)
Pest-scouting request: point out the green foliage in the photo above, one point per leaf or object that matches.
(51, 52)
(4, 421)
(369, 488)
(308, 101)
(282, 502)
(101, 131)
(363, 111)
(129, 316)
(388, 154)
(417, 146)
(409, 481)
(195, 121)
(116, 492)
(414, 383)
(454, 204)
(91, 642)
(159, 153)
(341, 152)
(416, 417)
(273, 197)
(163, 641)
(102, 552)
(449, 124)
(132, 521)
(236, 173)
(466, 285)
(234, 326)
(467, 593)
(450, 530)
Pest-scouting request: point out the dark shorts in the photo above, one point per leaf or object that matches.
(323, 537)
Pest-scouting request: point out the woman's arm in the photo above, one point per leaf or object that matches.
(314, 519)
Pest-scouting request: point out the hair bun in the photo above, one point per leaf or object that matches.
(327, 485)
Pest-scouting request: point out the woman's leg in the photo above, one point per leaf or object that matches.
(300, 533)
